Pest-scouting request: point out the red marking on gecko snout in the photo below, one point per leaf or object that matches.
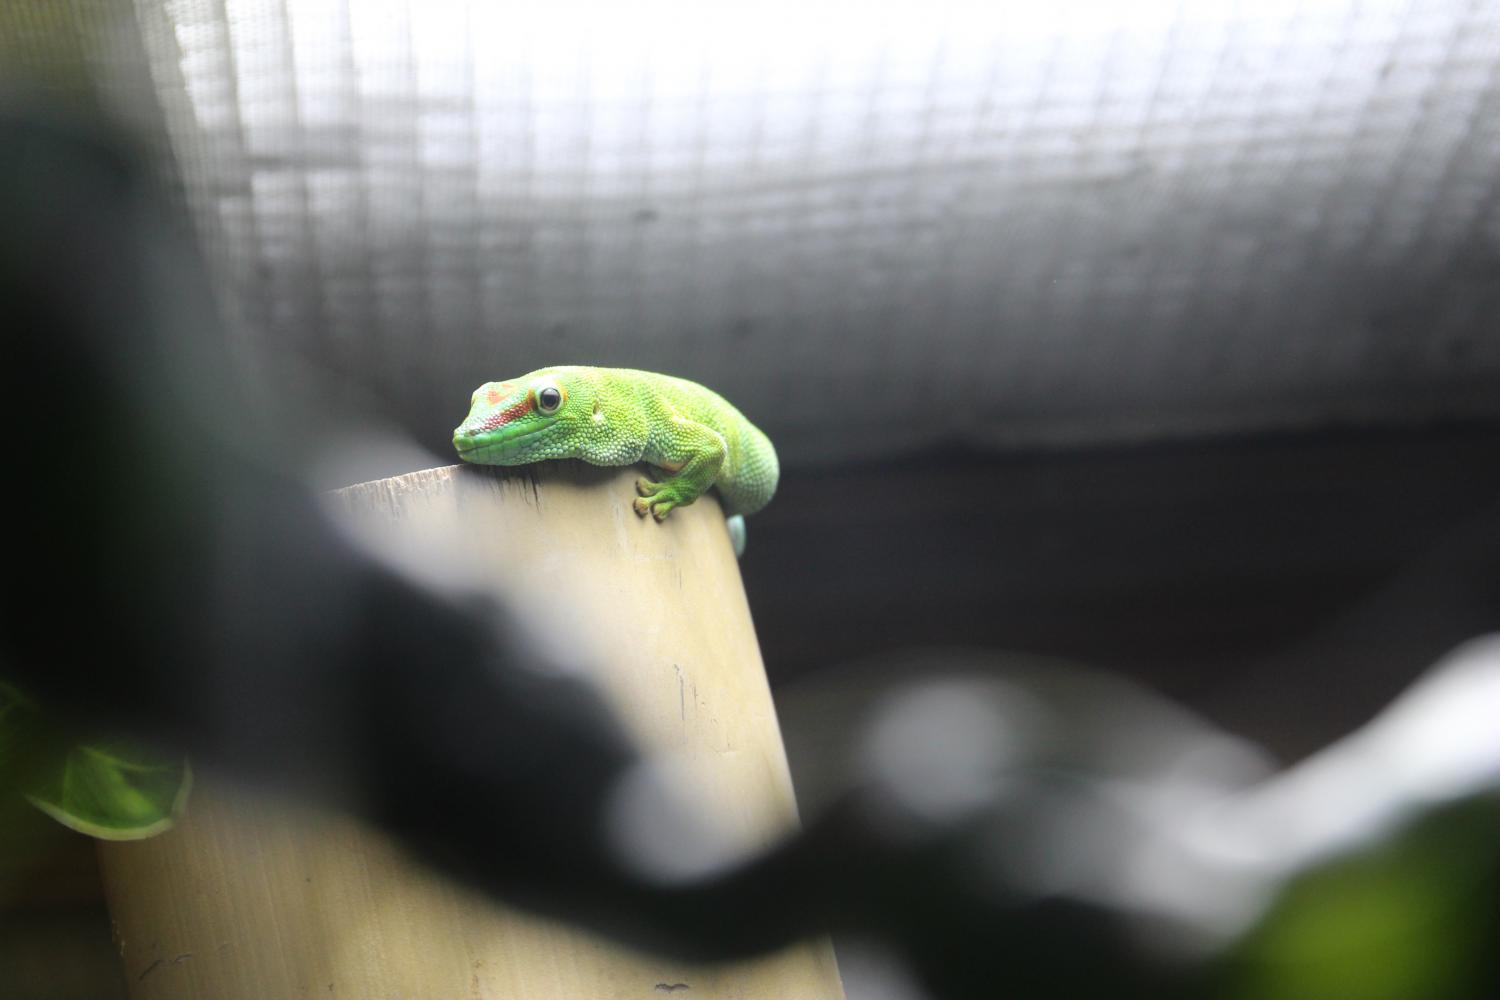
(508, 414)
(499, 392)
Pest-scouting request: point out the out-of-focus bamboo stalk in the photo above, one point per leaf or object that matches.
(250, 900)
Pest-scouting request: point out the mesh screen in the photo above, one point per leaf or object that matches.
(873, 227)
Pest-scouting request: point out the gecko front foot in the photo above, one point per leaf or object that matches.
(658, 509)
(658, 499)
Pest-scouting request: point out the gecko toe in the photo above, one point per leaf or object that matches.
(658, 503)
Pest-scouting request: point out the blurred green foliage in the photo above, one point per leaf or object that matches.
(108, 788)
(1415, 916)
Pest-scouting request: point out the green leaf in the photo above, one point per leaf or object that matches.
(113, 791)
(109, 789)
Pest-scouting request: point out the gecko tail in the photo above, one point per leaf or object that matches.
(737, 534)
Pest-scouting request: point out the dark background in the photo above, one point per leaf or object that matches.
(1287, 585)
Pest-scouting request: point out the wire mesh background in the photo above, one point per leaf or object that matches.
(873, 227)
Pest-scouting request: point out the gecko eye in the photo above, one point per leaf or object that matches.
(549, 398)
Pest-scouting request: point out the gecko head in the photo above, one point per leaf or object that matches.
(523, 420)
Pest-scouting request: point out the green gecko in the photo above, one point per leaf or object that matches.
(619, 416)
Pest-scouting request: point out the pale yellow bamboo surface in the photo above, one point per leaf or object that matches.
(246, 899)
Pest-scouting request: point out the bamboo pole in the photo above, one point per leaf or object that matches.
(249, 899)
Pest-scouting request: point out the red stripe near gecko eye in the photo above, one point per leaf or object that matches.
(508, 414)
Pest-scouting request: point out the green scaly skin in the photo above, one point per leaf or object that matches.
(619, 416)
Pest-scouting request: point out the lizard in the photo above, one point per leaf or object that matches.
(620, 416)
